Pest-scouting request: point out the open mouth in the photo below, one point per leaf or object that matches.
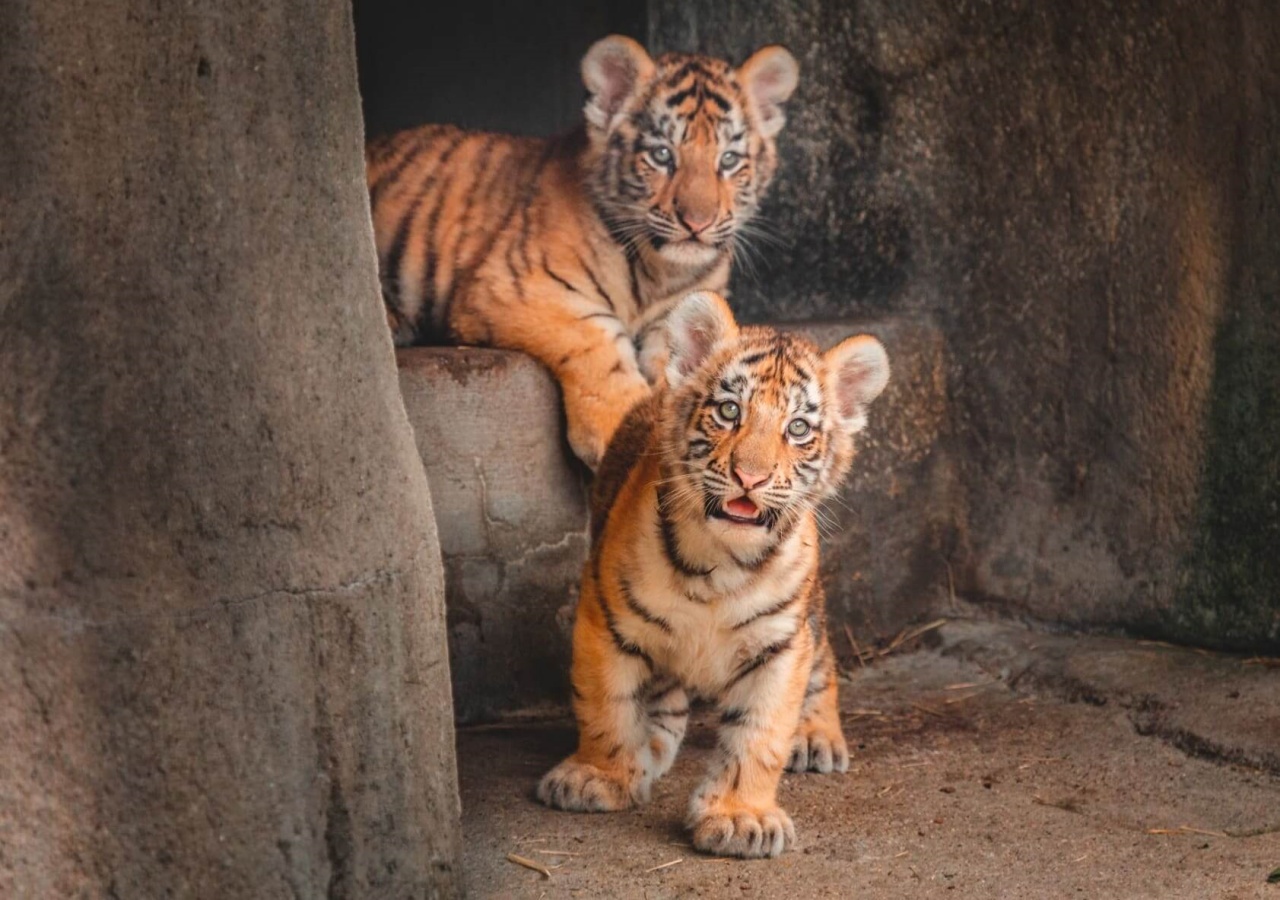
(741, 511)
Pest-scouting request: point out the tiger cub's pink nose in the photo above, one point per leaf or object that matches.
(749, 479)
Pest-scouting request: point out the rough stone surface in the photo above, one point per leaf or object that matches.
(1085, 198)
(967, 780)
(512, 510)
(511, 506)
(221, 624)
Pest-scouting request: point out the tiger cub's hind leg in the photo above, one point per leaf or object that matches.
(819, 744)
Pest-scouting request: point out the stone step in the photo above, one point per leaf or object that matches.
(511, 506)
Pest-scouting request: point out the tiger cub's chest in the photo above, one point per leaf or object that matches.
(715, 625)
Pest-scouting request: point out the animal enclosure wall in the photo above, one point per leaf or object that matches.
(1076, 201)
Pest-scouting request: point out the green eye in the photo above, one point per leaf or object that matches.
(729, 159)
(798, 428)
(661, 155)
(729, 411)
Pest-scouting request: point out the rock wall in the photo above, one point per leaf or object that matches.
(221, 610)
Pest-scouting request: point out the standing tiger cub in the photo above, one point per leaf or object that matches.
(703, 576)
(567, 248)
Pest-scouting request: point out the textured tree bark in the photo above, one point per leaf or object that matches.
(222, 647)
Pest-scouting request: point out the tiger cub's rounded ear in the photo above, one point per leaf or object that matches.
(857, 370)
(611, 70)
(696, 326)
(770, 77)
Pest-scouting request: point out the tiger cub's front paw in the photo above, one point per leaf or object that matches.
(744, 832)
(818, 749)
(582, 787)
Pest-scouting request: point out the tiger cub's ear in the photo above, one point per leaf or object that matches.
(857, 370)
(611, 70)
(696, 326)
(769, 77)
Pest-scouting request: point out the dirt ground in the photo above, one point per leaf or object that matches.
(997, 762)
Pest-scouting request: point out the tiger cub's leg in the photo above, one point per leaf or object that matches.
(620, 750)
(667, 708)
(735, 811)
(819, 744)
(586, 347)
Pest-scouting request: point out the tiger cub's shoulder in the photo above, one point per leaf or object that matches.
(629, 444)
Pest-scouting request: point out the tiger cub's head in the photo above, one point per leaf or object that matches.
(758, 425)
(682, 147)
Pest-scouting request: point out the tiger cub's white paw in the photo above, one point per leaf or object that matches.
(582, 787)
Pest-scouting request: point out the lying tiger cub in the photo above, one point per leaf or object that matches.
(570, 248)
(703, 576)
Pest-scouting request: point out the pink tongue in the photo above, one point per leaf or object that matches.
(743, 508)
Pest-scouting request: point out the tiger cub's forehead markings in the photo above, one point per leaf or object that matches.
(698, 95)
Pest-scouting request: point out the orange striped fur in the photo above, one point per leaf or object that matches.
(703, 576)
(569, 248)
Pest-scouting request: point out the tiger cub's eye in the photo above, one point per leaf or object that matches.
(798, 428)
(729, 159)
(661, 155)
(729, 411)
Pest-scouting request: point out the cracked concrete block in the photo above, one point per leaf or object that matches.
(511, 505)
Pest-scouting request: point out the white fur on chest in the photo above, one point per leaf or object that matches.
(704, 649)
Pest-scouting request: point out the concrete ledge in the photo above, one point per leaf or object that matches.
(511, 506)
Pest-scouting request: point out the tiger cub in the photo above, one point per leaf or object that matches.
(567, 248)
(703, 576)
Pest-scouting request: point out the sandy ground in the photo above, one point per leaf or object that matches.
(997, 763)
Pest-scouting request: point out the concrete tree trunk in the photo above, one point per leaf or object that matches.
(222, 655)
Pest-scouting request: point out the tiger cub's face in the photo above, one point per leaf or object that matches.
(760, 424)
(683, 146)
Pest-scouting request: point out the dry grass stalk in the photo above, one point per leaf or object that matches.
(857, 651)
(666, 865)
(1186, 829)
(529, 864)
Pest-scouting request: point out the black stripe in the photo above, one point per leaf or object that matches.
(734, 715)
(771, 517)
(670, 544)
(669, 730)
(665, 692)
(628, 647)
(635, 281)
(717, 99)
(754, 358)
(393, 174)
(595, 282)
(624, 645)
(691, 66)
(659, 713)
(547, 268)
(699, 448)
(764, 657)
(629, 598)
(680, 96)
(433, 219)
(769, 611)
(473, 191)
(395, 255)
(527, 191)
